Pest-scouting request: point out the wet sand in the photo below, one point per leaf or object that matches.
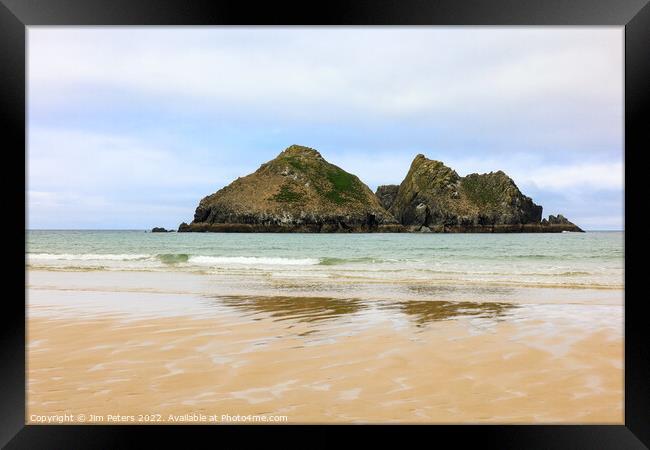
(319, 359)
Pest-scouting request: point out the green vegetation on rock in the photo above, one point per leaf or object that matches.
(287, 195)
(295, 163)
(487, 190)
(344, 186)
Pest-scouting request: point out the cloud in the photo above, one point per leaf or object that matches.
(600, 176)
(85, 179)
(63, 209)
(391, 72)
(113, 162)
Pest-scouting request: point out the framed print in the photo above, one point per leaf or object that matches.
(273, 219)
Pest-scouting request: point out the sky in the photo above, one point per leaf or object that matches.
(128, 128)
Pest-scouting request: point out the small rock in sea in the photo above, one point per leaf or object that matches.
(159, 230)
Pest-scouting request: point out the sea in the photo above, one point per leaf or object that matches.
(384, 265)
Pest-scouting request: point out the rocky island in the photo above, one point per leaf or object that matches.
(299, 191)
(160, 230)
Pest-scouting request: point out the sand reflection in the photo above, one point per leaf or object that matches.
(425, 312)
(301, 309)
(319, 309)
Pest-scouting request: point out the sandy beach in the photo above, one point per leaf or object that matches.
(158, 354)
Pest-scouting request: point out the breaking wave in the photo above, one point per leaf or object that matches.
(173, 258)
(86, 257)
(251, 260)
(178, 258)
(337, 261)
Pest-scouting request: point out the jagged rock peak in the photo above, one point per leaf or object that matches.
(300, 150)
(433, 194)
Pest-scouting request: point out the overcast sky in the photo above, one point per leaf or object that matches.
(131, 127)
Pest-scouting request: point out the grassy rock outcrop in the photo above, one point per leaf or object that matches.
(297, 191)
(433, 197)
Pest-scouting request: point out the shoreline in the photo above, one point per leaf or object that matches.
(102, 343)
(235, 283)
(320, 363)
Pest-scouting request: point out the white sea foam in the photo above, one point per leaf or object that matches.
(85, 257)
(205, 261)
(217, 261)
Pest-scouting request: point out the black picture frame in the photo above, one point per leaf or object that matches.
(16, 15)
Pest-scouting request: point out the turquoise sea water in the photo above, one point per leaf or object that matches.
(574, 260)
